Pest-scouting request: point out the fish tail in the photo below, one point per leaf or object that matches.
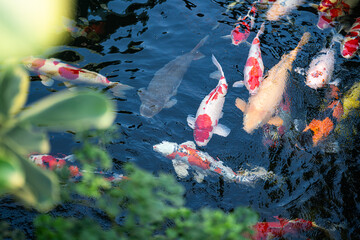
(217, 64)
(119, 89)
(261, 31)
(304, 40)
(200, 44)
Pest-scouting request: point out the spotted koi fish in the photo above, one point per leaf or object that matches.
(206, 122)
(52, 163)
(321, 127)
(281, 8)
(350, 44)
(321, 69)
(261, 107)
(254, 67)
(52, 69)
(185, 156)
(243, 26)
(282, 228)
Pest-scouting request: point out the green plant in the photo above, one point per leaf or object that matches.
(23, 131)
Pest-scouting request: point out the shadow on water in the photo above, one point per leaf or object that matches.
(129, 42)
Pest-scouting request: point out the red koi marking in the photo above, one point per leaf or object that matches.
(316, 74)
(195, 160)
(38, 63)
(215, 94)
(69, 73)
(350, 47)
(255, 73)
(218, 170)
(74, 171)
(202, 128)
(56, 62)
(51, 161)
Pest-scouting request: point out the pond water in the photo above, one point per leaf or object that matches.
(140, 37)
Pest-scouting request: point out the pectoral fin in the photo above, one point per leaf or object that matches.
(181, 168)
(141, 92)
(240, 104)
(215, 75)
(198, 176)
(238, 84)
(170, 103)
(190, 144)
(277, 121)
(191, 121)
(46, 81)
(222, 130)
(70, 86)
(226, 37)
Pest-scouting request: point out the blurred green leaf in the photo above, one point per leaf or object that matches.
(11, 173)
(14, 85)
(71, 110)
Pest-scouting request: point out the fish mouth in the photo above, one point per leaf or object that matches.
(145, 111)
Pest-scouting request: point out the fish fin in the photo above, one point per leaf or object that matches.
(240, 104)
(222, 130)
(221, 115)
(69, 85)
(191, 121)
(226, 37)
(170, 103)
(277, 121)
(200, 44)
(180, 168)
(217, 64)
(190, 144)
(300, 71)
(198, 176)
(215, 75)
(46, 81)
(331, 147)
(336, 82)
(299, 125)
(118, 89)
(314, 5)
(247, 43)
(198, 55)
(141, 92)
(238, 84)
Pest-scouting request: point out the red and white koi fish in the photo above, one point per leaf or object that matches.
(52, 163)
(262, 106)
(270, 230)
(242, 28)
(206, 122)
(254, 67)
(281, 8)
(185, 156)
(52, 69)
(350, 44)
(321, 69)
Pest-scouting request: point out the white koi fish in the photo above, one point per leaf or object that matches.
(321, 69)
(254, 67)
(281, 8)
(52, 69)
(165, 83)
(185, 156)
(351, 43)
(210, 111)
(261, 107)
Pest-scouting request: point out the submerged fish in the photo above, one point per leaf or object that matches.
(351, 43)
(165, 83)
(52, 69)
(261, 107)
(281, 8)
(282, 228)
(254, 67)
(206, 122)
(185, 156)
(321, 69)
(54, 163)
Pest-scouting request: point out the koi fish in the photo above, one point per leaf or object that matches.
(321, 127)
(270, 230)
(321, 68)
(165, 83)
(185, 156)
(261, 107)
(350, 44)
(242, 27)
(281, 8)
(205, 124)
(254, 67)
(53, 163)
(52, 69)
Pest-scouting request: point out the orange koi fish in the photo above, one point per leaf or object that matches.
(262, 106)
(52, 69)
(350, 44)
(185, 156)
(206, 122)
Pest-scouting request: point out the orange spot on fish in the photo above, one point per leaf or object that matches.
(320, 128)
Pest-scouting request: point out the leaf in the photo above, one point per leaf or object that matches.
(27, 140)
(41, 189)
(14, 86)
(71, 111)
(11, 174)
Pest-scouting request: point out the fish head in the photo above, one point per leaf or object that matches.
(150, 105)
(253, 119)
(240, 33)
(316, 79)
(32, 63)
(165, 148)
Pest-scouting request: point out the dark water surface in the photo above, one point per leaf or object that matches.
(140, 37)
